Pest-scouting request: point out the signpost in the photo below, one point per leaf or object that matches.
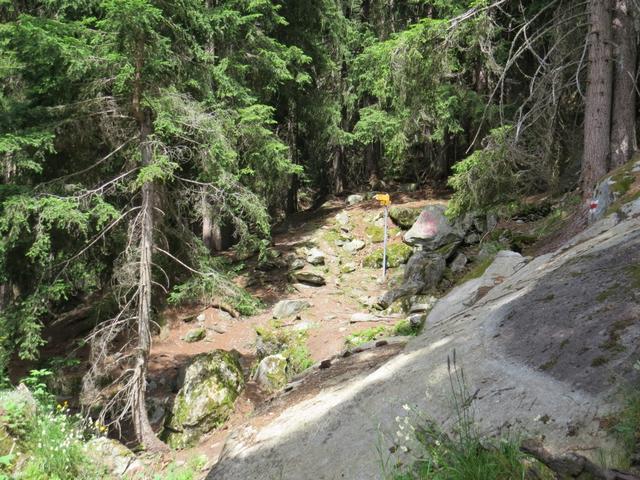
(385, 201)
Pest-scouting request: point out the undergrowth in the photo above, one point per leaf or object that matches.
(40, 440)
(401, 328)
(426, 452)
(291, 344)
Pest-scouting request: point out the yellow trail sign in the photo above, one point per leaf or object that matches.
(383, 198)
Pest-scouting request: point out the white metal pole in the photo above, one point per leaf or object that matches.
(384, 250)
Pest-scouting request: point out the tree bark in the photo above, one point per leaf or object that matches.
(142, 426)
(597, 122)
(623, 117)
(208, 234)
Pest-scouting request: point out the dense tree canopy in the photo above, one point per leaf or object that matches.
(135, 134)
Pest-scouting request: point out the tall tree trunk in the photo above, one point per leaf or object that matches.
(623, 116)
(208, 234)
(597, 122)
(143, 430)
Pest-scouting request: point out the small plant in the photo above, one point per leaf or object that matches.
(463, 455)
(184, 472)
(405, 328)
(366, 335)
(48, 439)
(292, 344)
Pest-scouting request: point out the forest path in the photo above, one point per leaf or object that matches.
(327, 321)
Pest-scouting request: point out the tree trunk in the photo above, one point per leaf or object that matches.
(623, 118)
(143, 430)
(208, 234)
(597, 122)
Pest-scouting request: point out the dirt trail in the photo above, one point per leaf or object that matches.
(327, 321)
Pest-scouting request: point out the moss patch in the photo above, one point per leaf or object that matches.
(477, 270)
(366, 335)
(376, 234)
(397, 254)
(599, 361)
(404, 217)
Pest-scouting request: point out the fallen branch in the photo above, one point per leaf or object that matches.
(572, 465)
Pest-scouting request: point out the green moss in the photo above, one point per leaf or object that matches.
(376, 234)
(195, 335)
(404, 328)
(404, 217)
(599, 361)
(549, 365)
(291, 344)
(633, 271)
(397, 254)
(366, 335)
(212, 383)
(477, 270)
(332, 235)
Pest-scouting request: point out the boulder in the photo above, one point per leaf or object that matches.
(195, 335)
(404, 217)
(342, 219)
(355, 198)
(296, 264)
(459, 262)
(272, 372)
(422, 274)
(348, 268)
(210, 385)
(416, 320)
(315, 256)
(433, 229)
(353, 246)
(310, 278)
(116, 459)
(286, 308)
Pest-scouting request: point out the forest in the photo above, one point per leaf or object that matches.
(141, 141)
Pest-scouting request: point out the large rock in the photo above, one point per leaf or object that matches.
(310, 278)
(353, 246)
(421, 275)
(286, 308)
(433, 229)
(195, 335)
(342, 219)
(113, 456)
(211, 383)
(272, 372)
(404, 217)
(315, 256)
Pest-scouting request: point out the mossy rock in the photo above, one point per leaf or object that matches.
(212, 382)
(376, 233)
(397, 254)
(404, 217)
(195, 335)
(272, 372)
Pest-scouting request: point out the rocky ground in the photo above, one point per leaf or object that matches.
(546, 344)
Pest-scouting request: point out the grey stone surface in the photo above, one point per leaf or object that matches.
(286, 308)
(518, 331)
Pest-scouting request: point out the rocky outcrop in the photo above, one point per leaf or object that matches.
(421, 275)
(210, 385)
(538, 341)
